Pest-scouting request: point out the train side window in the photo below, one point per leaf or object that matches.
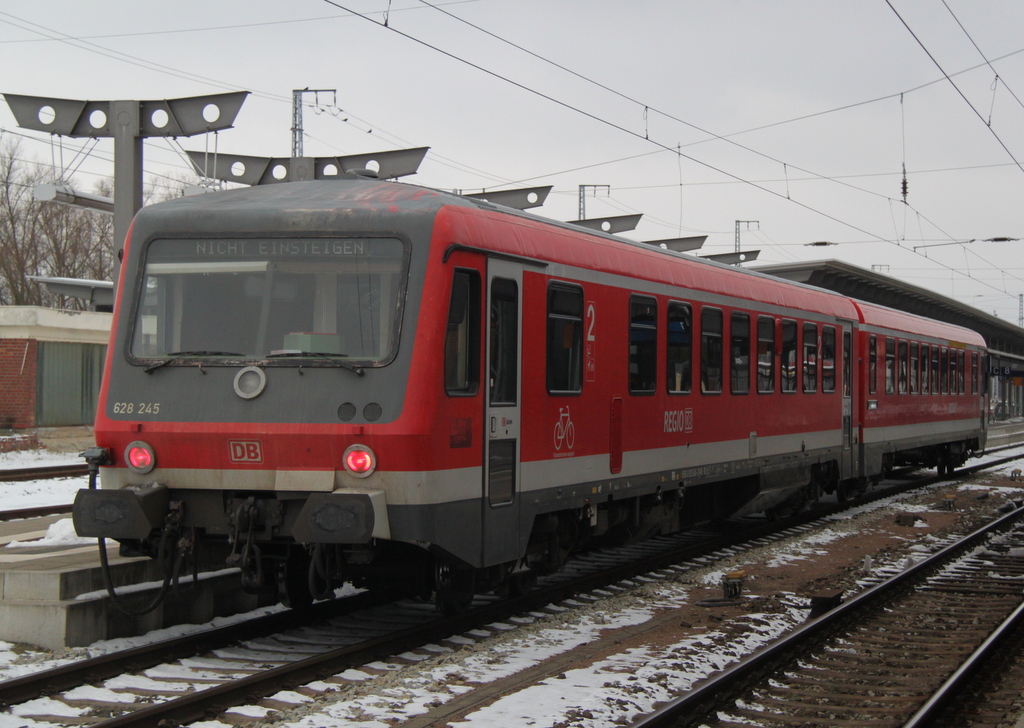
(765, 354)
(462, 339)
(926, 356)
(788, 366)
(565, 339)
(873, 365)
(961, 372)
(810, 357)
(914, 364)
(643, 345)
(828, 359)
(944, 370)
(890, 365)
(710, 350)
(679, 348)
(935, 370)
(847, 364)
(974, 372)
(954, 372)
(902, 371)
(739, 365)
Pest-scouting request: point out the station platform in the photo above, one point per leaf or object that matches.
(54, 596)
(1007, 432)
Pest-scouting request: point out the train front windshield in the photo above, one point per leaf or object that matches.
(271, 297)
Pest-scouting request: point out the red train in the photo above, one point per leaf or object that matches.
(374, 382)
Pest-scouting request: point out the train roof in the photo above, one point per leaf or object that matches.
(883, 317)
(370, 204)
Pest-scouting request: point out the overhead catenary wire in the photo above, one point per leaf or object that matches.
(953, 84)
(735, 179)
(998, 79)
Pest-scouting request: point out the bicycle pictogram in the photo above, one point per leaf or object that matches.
(565, 431)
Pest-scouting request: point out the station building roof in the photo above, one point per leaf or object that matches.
(868, 285)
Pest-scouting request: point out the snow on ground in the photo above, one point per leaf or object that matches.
(611, 691)
(33, 493)
(37, 458)
(60, 533)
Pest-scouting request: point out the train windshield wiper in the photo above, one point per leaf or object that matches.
(173, 355)
(328, 356)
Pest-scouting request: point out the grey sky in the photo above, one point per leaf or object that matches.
(806, 94)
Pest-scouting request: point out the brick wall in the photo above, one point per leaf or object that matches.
(17, 384)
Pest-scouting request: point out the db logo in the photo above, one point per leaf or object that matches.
(245, 451)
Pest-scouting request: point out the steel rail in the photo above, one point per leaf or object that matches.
(71, 675)
(43, 472)
(35, 512)
(707, 693)
(954, 686)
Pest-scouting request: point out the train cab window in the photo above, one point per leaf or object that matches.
(890, 366)
(935, 370)
(679, 348)
(462, 339)
(810, 357)
(828, 359)
(961, 372)
(643, 345)
(311, 302)
(565, 339)
(944, 370)
(765, 354)
(872, 365)
(902, 370)
(710, 351)
(739, 351)
(926, 356)
(789, 352)
(914, 364)
(847, 364)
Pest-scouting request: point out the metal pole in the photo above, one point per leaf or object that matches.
(127, 173)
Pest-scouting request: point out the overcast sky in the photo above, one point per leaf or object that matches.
(798, 115)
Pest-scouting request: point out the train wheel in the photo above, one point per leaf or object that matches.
(453, 588)
(521, 583)
(293, 579)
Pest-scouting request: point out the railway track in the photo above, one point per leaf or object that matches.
(885, 658)
(43, 472)
(360, 632)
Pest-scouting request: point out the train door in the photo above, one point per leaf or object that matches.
(849, 458)
(502, 416)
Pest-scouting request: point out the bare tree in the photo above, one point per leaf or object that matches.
(45, 239)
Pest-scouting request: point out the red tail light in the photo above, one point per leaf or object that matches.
(140, 457)
(360, 461)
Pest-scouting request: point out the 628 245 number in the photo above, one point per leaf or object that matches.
(136, 408)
